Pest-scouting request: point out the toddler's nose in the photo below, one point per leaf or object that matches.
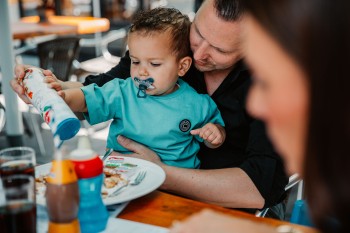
(143, 72)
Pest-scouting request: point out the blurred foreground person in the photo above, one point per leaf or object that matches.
(299, 52)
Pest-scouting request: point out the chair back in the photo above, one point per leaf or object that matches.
(293, 180)
(105, 62)
(300, 213)
(2, 117)
(58, 54)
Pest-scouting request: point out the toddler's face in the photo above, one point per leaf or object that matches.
(152, 57)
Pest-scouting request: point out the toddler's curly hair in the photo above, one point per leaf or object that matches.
(162, 19)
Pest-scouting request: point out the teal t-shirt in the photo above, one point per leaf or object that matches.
(162, 123)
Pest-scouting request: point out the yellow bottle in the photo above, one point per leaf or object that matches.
(62, 196)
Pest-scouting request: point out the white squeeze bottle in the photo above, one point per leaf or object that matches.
(53, 109)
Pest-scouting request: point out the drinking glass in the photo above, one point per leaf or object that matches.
(17, 160)
(17, 204)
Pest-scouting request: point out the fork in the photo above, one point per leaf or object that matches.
(118, 190)
(108, 152)
(139, 178)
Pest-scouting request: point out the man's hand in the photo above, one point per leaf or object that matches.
(51, 79)
(140, 151)
(19, 74)
(213, 134)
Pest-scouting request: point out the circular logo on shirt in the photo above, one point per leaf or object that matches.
(185, 125)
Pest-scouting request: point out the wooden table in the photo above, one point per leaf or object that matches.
(30, 27)
(161, 209)
(85, 25)
(23, 31)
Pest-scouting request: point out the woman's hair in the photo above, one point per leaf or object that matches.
(316, 34)
(161, 20)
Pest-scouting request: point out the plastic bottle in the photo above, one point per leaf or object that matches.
(51, 106)
(93, 214)
(62, 196)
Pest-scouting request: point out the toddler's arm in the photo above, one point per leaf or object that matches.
(75, 99)
(213, 134)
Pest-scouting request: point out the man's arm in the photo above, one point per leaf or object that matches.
(229, 187)
(122, 71)
(264, 166)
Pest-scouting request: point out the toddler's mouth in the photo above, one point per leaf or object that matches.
(143, 85)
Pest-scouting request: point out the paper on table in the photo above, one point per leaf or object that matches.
(126, 226)
(113, 210)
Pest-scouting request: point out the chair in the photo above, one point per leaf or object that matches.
(58, 54)
(293, 180)
(105, 62)
(300, 213)
(2, 117)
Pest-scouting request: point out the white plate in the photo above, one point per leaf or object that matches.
(154, 178)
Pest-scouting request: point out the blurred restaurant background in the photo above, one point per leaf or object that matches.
(73, 38)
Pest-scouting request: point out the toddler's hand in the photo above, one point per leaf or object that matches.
(52, 81)
(62, 94)
(212, 133)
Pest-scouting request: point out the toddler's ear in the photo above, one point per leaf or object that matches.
(184, 65)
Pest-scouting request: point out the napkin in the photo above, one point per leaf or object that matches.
(42, 219)
(125, 226)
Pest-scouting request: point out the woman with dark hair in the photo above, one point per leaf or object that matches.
(299, 52)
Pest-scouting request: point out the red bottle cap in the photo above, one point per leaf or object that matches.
(87, 164)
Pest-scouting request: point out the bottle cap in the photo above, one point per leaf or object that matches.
(68, 128)
(86, 162)
(83, 151)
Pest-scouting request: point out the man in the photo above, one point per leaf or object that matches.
(244, 172)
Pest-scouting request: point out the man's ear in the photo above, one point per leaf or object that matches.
(184, 65)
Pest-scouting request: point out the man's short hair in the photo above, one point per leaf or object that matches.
(229, 10)
(160, 20)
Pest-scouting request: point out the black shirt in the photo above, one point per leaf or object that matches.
(246, 145)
